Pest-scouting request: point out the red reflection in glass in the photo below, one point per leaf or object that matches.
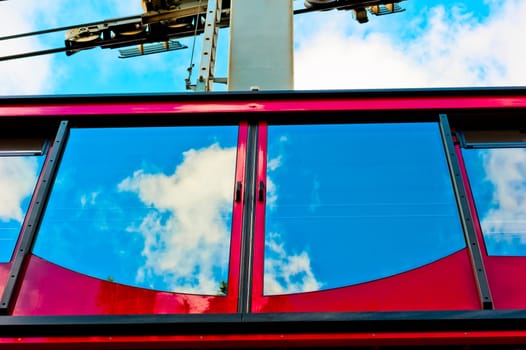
(4, 273)
(505, 273)
(49, 289)
(446, 284)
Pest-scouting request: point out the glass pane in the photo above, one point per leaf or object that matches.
(147, 207)
(22, 146)
(498, 183)
(347, 204)
(18, 177)
(497, 138)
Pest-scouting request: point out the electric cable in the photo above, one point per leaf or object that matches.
(341, 4)
(191, 64)
(47, 31)
(32, 54)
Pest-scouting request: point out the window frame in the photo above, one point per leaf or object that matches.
(463, 107)
(270, 303)
(507, 291)
(18, 147)
(160, 301)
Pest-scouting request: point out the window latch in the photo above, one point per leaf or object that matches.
(237, 196)
(261, 191)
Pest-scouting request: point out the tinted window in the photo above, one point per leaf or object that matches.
(18, 177)
(498, 182)
(21, 161)
(348, 204)
(149, 207)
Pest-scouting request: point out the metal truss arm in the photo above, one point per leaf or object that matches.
(205, 78)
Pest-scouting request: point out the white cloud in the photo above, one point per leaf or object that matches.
(506, 170)
(452, 49)
(272, 195)
(287, 273)
(18, 176)
(43, 74)
(29, 75)
(88, 199)
(273, 164)
(186, 238)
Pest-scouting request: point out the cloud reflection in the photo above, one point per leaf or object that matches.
(18, 176)
(285, 272)
(504, 223)
(187, 232)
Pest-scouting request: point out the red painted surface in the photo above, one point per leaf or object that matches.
(49, 289)
(4, 274)
(505, 273)
(237, 219)
(322, 340)
(313, 104)
(446, 284)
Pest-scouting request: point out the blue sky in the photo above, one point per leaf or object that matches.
(432, 44)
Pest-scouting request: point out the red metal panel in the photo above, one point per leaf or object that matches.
(446, 284)
(237, 219)
(49, 289)
(4, 274)
(281, 105)
(507, 282)
(311, 340)
(505, 273)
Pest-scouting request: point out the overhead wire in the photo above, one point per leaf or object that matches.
(60, 29)
(32, 54)
(191, 64)
(47, 31)
(341, 4)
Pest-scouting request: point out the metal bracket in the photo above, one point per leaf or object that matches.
(205, 78)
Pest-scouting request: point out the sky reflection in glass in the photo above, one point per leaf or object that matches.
(148, 207)
(347, 204)
(498, 183)
(18, 177)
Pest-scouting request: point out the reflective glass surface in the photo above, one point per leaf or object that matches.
(347, 204)
(147, 207)
(498, 182)
(18, 177)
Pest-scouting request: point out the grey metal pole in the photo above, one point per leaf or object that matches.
(261, 45)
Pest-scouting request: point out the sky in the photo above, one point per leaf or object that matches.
(153, 202)
(433, 43)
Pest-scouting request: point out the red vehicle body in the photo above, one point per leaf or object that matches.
(46, 306)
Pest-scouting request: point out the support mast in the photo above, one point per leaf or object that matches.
(261, 45)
